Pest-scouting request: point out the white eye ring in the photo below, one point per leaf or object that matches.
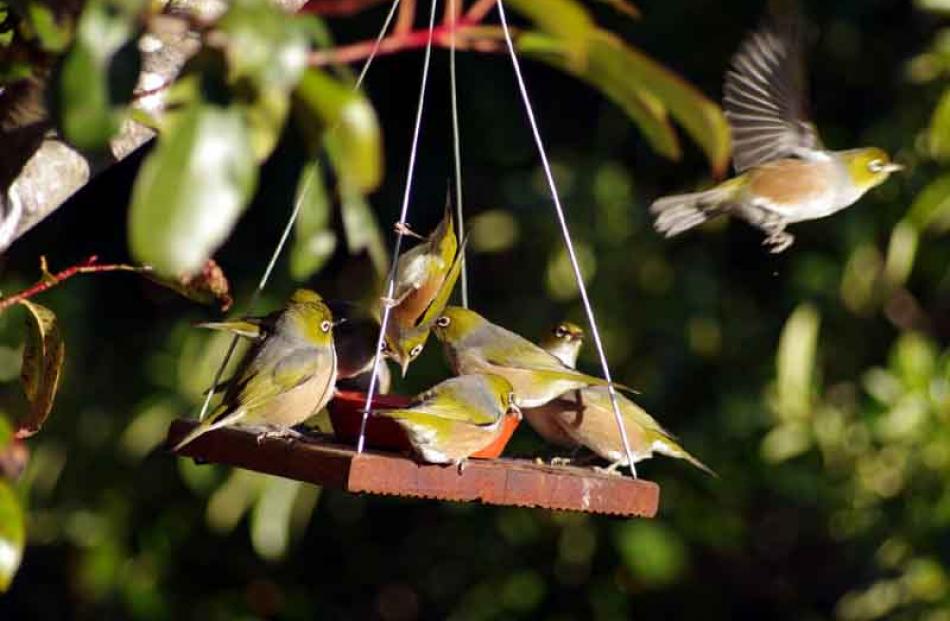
(560, 332)
(876, 166)
(415, 351)
(326, 326)
(443, 321)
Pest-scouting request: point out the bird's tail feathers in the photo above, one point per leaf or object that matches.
(679, 213)
(666, 446)
(212, 422)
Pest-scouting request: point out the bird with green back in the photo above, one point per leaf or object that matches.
(405, 340)
(586, 416)
(456, 418)
(288, 374)
(475, 345)
(784, 173)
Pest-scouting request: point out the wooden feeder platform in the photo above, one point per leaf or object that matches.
(503, 481)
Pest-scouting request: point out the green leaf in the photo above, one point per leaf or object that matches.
(43, 357)
(362, 231)
(265, 53)
(12, 534)
(313, 243)
(347, 123)
(99, 73)
(566, 20)
(53, 37)
(654, 553)
(607, 71)
(795, 362)
(931, 208)
(940, 128)
(191, 190)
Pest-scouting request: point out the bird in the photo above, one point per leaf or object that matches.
(564, 342)
(423, 282)
(456, 418)
(355, 337)
(474, 345)
(586, 416)
(784, 172)
(288, 373)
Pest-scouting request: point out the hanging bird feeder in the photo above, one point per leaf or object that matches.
(372, 454)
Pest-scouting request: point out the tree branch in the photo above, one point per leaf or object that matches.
(48, 280)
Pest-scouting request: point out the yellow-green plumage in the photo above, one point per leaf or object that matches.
(456, 418)
(475, 345)
(586, 417)
(425, 277)
(287, 375)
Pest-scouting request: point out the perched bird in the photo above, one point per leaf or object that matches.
(785, 174)
(287, 375)
(564, 342)
(475, 345)
(404, 343)
(586, 416)
(456, 418)
(355, 336)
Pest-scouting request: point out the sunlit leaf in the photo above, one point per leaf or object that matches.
(349, 127)
(12, 534)
(654, 553)
(940, 128)
(607, 73)
(191, 190)
(566, 20)
(270, 519)
(314, 242)
(624, 7)
(795, 363)
(901, 252)
(99, 73)
(931, 208)
(43, 357)
(53, 36)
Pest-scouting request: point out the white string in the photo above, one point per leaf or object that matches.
(290, 221)
(567, 237)
(457, 150)
(400, 231)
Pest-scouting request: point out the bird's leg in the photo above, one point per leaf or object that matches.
(562, 461)
(393, 302)
(777, 238)
(460, 464)
(614, 469)
(402, 228)
(280, 433)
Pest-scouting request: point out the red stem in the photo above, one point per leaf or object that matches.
(89, 266)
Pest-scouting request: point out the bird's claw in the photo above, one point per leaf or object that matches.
(402, 228)
(561, 461)
(778, 241)
(288, 434)
(460, 464)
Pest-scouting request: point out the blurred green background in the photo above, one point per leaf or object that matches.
(815, 382)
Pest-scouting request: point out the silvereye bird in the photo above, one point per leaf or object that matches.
(564, 342)
(586, 417)
(475, 345)
(404, 343)
(354, 338)
(785, 175)
(287, 375)
(456, 418)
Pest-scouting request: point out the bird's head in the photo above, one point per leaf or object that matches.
(455, 323)
(564, 341)
(405, 347)
(308, 316)
(869, 167)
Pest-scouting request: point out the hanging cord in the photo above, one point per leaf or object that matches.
(457, 150)
(400, 230)
(293, 218)
(567, 237)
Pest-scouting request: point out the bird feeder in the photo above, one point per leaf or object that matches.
(372, 455)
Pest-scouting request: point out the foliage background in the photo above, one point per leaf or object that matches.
(833, 499)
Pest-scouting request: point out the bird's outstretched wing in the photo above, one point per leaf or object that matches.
(764, 98)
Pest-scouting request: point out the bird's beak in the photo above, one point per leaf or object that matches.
(893, 167)
(404, 365)
(340, 322)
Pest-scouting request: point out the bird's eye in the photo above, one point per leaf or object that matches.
(876, 166)
(326, 326)
(560, 332)
(415, 351)
(443, 321)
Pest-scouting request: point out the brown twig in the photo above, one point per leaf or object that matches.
(479, 10)
(406, 17)
(469, 36)
(48, 280)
